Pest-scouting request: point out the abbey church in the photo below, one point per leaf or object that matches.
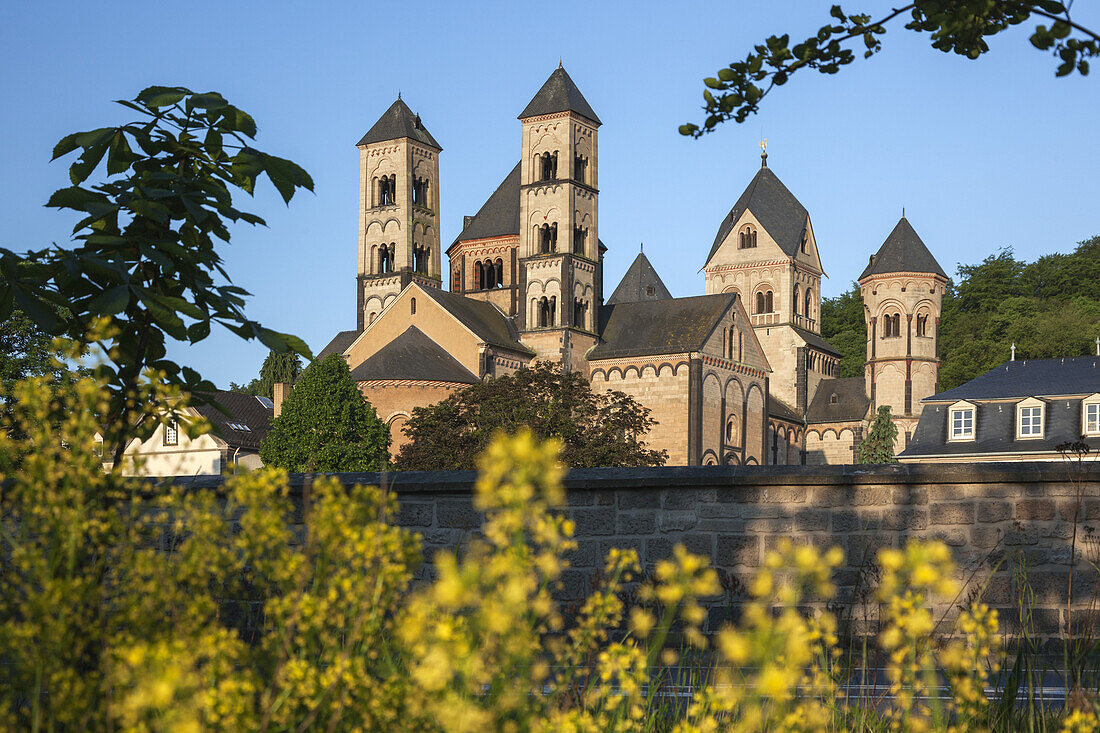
(738, 375)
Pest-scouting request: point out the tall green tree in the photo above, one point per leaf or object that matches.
(878, 446)
(277, 367)
(327, 425)
(956, 26)
(25, 351)
(597, 429)
(146, 252)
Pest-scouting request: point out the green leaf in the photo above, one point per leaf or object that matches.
(41, 313)
(198, 331)
(65, 146)
(151, 210)
(156, 97)
(119, 155)
(285, 175)
(83, 167)
(76, 198)
(110, 302)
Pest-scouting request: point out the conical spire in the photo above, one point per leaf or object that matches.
(641, 282)
(397, 122)
(559, 94)
(903, 251)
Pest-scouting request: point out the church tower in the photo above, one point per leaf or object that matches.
(902, 289)
(560, 270)
(398, 210)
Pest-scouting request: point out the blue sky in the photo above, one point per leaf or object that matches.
(982, 154)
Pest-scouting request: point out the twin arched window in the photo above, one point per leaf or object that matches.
(387, 190)
(922, 324)
(382, 257)
(420, 192)
(547, 238)
(580, 168)
(580, 234)
(580, 313)
(548, 166)
(545, 310)
(421, 258)
(891, 325)
(747, 238)
(764, 302)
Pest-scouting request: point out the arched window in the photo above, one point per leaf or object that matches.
(733, 430)
(387, 190)
(580, 313)
(421, 255)
(922, 324)
(548, 166)
(412, 306)
(546, 311)
(500, 272)
(375, 268)
(759, 303)
(892, 326)
(371, 318)
(548, 238)
(740, 346)
(794, 302)
(808, 311)
(385, 257)
(479, 276)
(769, 304)
(580, 168)
(420, 192)
(580, 234)
(805, 239)
(748, 238)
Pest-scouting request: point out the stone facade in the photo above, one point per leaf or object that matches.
(736, 386)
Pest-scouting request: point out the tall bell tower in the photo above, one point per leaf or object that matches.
(902, 288)
(560, 267)
(398, 210)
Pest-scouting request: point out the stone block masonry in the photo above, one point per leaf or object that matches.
(995, 517)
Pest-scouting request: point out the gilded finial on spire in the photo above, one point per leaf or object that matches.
(559, 62)
(399, 94)
(902, 212)
(764, 153)
(641, 247)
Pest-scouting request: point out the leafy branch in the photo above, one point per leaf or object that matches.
(959, 27)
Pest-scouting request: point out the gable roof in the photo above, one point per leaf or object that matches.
(670, 326)
(816, 341)
(413, 355)
(779, 409)
(499, 215)
(1029, 378)
(633, 287)
(397, 122)
(243, 409)
(339, 344)
(484, 319)
(559, 94)
(775, 207)
(903, 251)
(852, 401)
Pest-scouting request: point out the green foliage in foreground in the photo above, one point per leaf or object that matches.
(327, 425)
(878, 446)
(145, 252)
(953, 26)
(128, 610)
(597, 429)
(1049, 308)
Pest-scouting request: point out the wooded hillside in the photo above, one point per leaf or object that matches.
(1048, 308)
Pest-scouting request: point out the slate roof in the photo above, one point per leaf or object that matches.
(413, 355)
(484, 319)
(1029, 378)
(638, 278)
(816, 341)
(397, 122)
(995, 430)
(776, 208)
(499, 215)
(659, 326)
(559, 94)
(244, 409)
(780, 409)
(339, 344)
(851, 404)
(903, 251)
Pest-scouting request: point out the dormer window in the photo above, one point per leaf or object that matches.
(833, 399)
(548, 166)
(1090, 415)
(961, 421)
(172, 433)
(747, 238)
(1029, 419)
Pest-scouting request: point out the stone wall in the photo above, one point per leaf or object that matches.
(995, 517)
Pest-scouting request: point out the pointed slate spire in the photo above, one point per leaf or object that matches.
(773, 205)
(397, 122)
(641, 282)
(903, 251)
(559, 94)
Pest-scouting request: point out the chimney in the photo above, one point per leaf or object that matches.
(278, 393)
